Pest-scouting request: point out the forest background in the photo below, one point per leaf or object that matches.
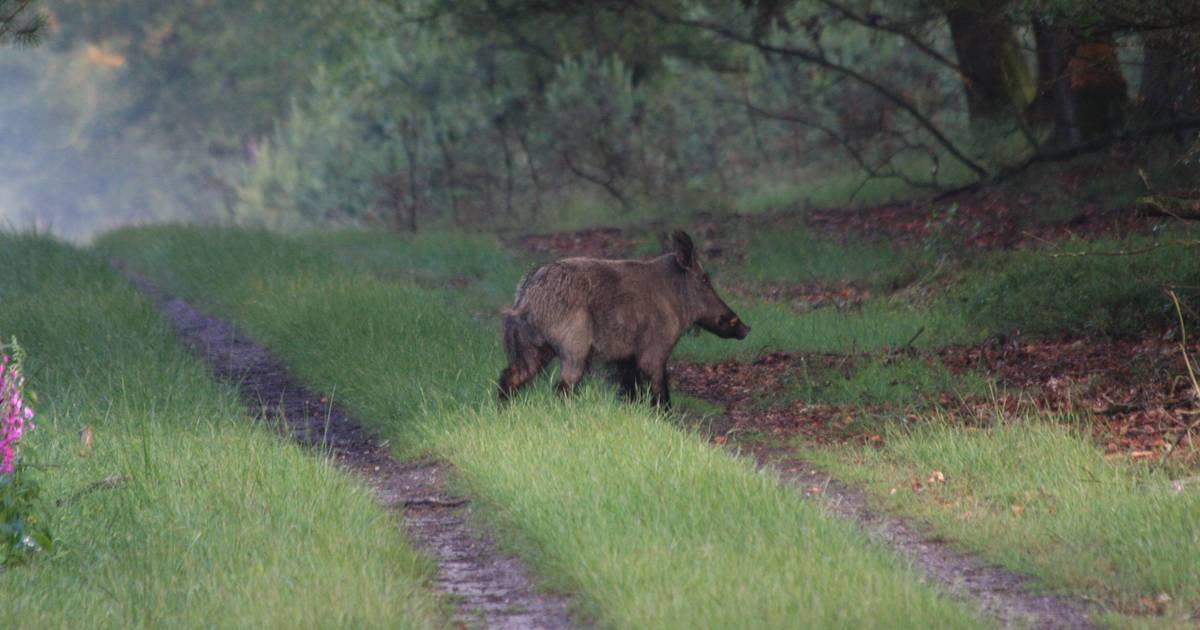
(518, 113)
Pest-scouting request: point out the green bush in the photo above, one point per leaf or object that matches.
(1116, 295)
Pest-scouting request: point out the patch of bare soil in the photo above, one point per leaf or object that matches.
(998, 593)
(806, 296)
(751, 394)
(986, 220)
(983, 219)
(490, 589)
(1136, 394)
(596, 242)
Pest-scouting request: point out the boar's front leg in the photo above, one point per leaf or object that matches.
(630, 378)
(655, 368)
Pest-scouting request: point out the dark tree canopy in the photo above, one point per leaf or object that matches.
(465, 111)
(21, 23)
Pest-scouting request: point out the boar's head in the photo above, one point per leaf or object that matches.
(700, 300)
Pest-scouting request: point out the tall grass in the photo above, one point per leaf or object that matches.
(648, 524)
(180, 513)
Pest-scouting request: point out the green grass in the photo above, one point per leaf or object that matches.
(876, 325)
(881, 380)
(649, 525)
(215, 522)
(838, 190)
(398, 346)
(661, 531)
(1040, 498)
(835, 187)
(796, 255)
(476, 264)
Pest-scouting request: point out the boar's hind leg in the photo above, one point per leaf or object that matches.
(522, 369)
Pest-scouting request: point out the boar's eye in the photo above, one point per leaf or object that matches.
(707, 279)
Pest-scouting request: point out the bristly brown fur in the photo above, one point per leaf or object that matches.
(628, 312)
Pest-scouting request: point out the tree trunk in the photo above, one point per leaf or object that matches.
(1170, 78)
(509, 179)
(994, 75)
(1051, 61)
(409, 143)
(1099, 90)
(1160, 75)
(1079, 84)
(450, 168)
(1054, 100)
(535, 181)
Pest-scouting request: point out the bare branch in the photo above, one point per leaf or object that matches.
(606, 184)
(820, 60)
(895, 29)
(1096, 144)
(21, 25)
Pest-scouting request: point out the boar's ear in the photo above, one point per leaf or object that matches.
(685, 251)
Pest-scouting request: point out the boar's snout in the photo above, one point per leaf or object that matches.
(730, 326)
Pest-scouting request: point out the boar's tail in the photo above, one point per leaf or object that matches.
(527, 352)
(522, 342)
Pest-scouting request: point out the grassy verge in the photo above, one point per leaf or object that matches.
(212, 522)
(1041, 499)
(649, 525)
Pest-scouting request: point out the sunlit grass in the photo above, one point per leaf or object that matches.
(1042, 499)
(205, 520)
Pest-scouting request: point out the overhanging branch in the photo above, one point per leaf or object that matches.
(818, 59)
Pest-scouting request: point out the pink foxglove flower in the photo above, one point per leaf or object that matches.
(15, 416)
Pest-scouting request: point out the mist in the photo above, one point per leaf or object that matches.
(73, 166)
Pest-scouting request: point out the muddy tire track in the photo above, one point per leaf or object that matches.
(998, 593)
(488, 589)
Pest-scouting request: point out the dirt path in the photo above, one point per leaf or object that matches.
(488, 589)
(998, 593)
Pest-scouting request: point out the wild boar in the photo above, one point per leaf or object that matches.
(629, 313)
